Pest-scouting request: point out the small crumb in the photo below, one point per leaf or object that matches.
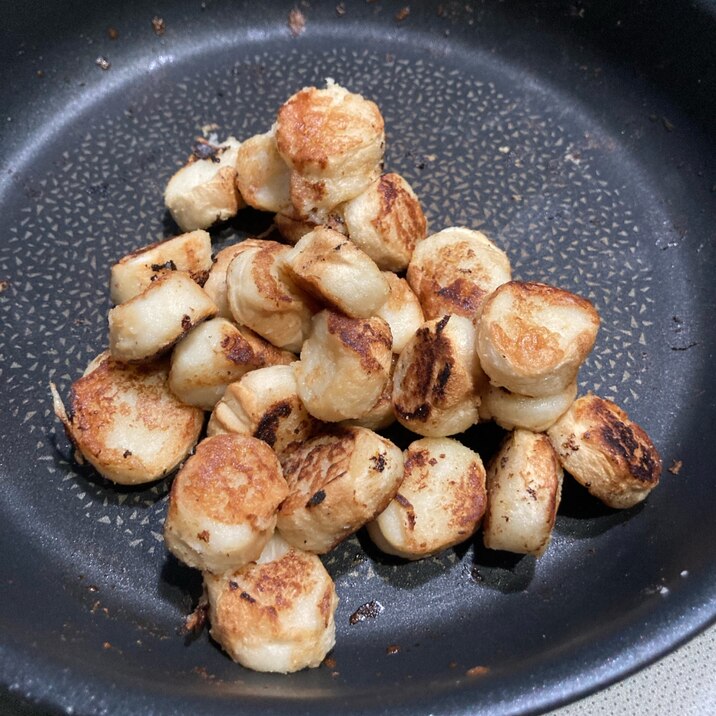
(103, 63)
(477, 671)
(402, 13)
(159, 26)
(207, 129)
(684, 573)
(503, 150)
(517, 197)
(4, 285)
(452, 665)
(40, 73)
(340, 9)
(106, 645)
(92, 588)
(296, 22)
(668, 126)
(329, 662)
(675, 467)
(664, 591)
(112, 33)
(369, 610)
(392, 649)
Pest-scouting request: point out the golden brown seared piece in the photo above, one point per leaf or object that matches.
(524, 486)
(327, 265)
(204, 190)
(387, 222)
(381, 415)
(152, 322)
(276, 614)
(215, 285)
(512, 410)
(401, 311)
(606, 452)
(294, 229)
(532, 338)
(455, 270)
(215, 354)
(333, 141)
(338, 481)
(223, 503)
(263, 296)
(440, 502)
(438, 378)
(344, 366)
(263, 177)
(264, 404)
(189, 252)
(126, 422)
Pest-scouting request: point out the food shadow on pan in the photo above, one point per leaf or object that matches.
(183, 587)
(582, 516)
(504, 572)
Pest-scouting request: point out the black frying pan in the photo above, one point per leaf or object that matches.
(579, 135)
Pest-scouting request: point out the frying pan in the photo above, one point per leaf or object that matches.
(579, 135)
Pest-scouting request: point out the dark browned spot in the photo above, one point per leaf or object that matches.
(186, 322)
(316, 498)
(204, 535)
(237, 350)
(268, 425)
(378, 462)
(166, 266)
(246, 596)
(233, 586)
(127, 453)
(392, 649)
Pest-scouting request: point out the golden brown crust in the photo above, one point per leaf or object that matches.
(368, 338)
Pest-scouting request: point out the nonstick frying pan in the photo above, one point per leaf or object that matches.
(579, 135)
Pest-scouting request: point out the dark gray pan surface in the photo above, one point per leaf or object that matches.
(580, 138)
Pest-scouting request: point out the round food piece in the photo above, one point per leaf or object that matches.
(512, 410)
(327, 265)
(402, 311)
(333, 141)
(438, 378)
(215, 285)
(338, 481)
(263, 296)
(532, 337)
(381, 415)
(344, 366)
(524, 486)
(204, 190)
(386, 221)
(276, 614)
(223, 503)
(215, 354)
(440, 502)
(263, 177)
(264, 404)
(152, 322)
(455, 270)
(126, 422)
(293, 229)
(606, 452)
(189, 252)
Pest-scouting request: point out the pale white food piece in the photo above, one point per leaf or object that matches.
(190, 252)
(276, 614)
(606, 452)
(292, 229)
(381, 415)
(401, 311)
(532, 337)
(152, 322)
(215, 285)
(386, 221)
(126, 422)
(454, 270)
(524, 486)
(263, 176)
(223, 503)
(263, 296)
(264, 404)
(338, 481)
(344, 366)
(512, 410)
(215, 354)
(440, 502)
(333, 141)
(204, 191)
(438, 379)
(325, 264)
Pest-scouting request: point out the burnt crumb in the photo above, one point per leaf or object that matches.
(186, 322)
(112, 33)
(196, 621)
(106, 645)
(159, 26)
(247, 597)
(402, 13)
(4, 285)
(203, 672)
(316, 498)
(477, 671)
(233, 586)
(378, 462)
(369, 610)
(329, 662)
(127, 453)
(675, 467)
(168, 266)
(103, 63)
(392, 649)
(204, 535)
(296, 22)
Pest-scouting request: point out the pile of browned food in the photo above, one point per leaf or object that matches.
(304, 347)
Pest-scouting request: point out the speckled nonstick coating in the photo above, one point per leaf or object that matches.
(579, 136)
